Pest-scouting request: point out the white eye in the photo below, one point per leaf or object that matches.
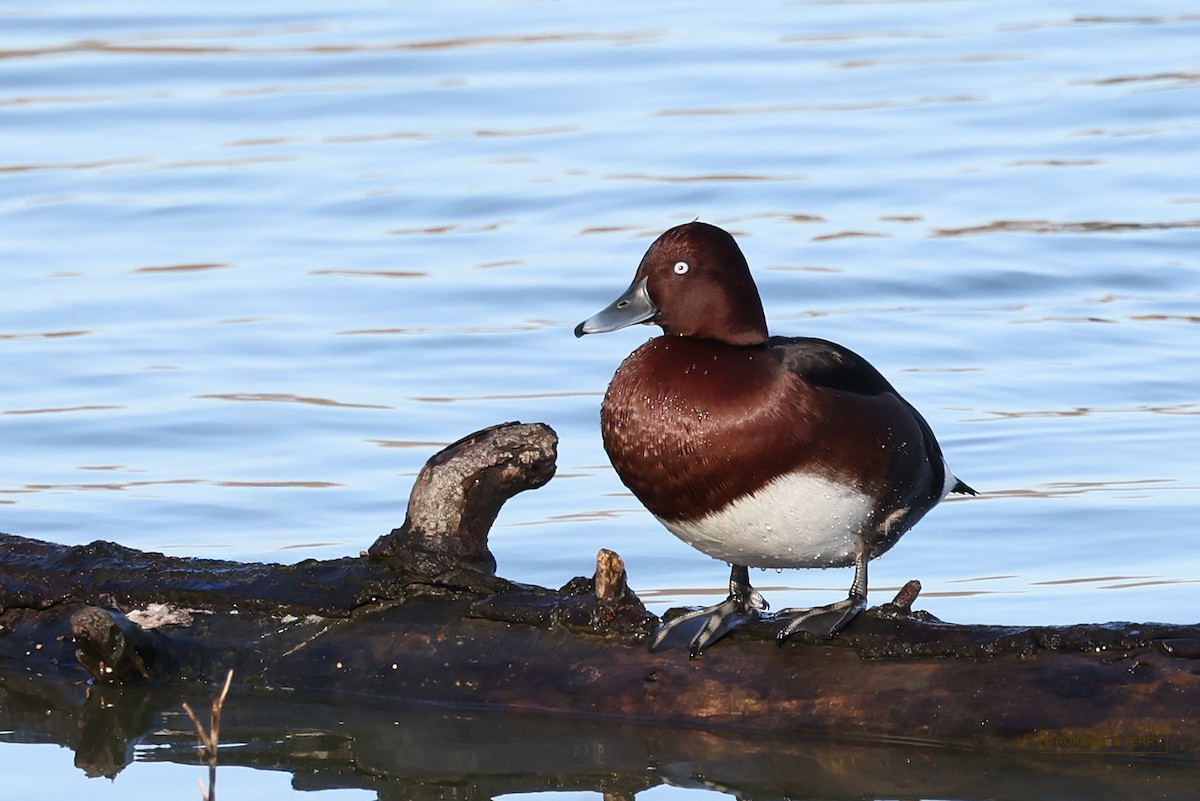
(681, 267)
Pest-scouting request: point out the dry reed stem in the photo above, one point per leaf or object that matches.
(210, 738)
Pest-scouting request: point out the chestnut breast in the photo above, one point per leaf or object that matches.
(692, 425)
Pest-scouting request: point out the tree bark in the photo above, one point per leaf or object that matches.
(421, 616)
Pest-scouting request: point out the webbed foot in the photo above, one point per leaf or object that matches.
(820, 621)
(700, 628)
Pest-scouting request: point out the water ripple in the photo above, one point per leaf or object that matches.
(1050, 227)
(280, 397)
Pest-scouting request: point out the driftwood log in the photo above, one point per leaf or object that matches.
(421, 616)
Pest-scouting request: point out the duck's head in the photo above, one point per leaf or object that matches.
(694, 282)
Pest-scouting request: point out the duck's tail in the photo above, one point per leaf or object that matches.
(963, 488)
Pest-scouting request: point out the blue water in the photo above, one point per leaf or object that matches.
(260, 262)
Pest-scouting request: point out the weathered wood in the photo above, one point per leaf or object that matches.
(409, 622)
(459, 492)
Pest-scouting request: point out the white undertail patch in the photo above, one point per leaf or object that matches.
(948, 485)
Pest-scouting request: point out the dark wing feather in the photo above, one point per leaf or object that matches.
(828, 364)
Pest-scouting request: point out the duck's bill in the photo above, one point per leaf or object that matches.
(633, 307)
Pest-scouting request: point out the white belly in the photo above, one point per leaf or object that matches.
(795, 521)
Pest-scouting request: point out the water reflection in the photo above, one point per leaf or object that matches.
(407, 443)
(121, 486)
(45, 335)
(847, 235)
(447, 228)
(1051, 227)
(1055, 163)
(86, 165)
(510, 396)
(980, 58)
(221, 163)
(427, 752)
(433, 331)
(1156, 318)
(706, 178)
(373, 273)
(1088, 580)
(1101, 19)
(92, 46)
(815, 108)
(1066, 489)
(182, 268)
(1086, 411)
(284, 397)
(1174, 78)
(1156, 582)
(65, 409)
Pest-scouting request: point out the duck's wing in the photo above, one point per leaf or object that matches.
(830, 365)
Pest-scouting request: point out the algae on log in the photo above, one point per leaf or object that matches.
(421, 616)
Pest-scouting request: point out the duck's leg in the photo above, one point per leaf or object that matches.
(700, 628)
(826, 621)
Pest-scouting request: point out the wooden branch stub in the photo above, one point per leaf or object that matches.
(611, 580)
(459, 492)
(603, 605)
(907, 595)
